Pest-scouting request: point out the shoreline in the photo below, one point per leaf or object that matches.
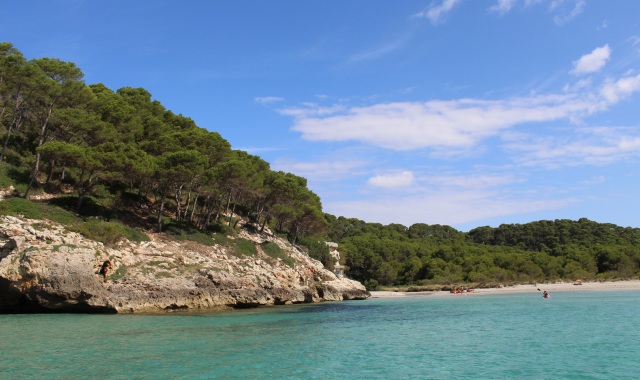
(528, 288)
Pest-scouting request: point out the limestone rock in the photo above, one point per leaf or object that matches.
(44, 268)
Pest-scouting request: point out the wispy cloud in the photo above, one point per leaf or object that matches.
(575, 8)
(325, 170)
(379, 51)
(563, 11)
(454, 124)
(393, 180)
(266, 100)
(503, 6)
(615, 90)
(587, 146)
(446, 207)
(592, 62)
(438, 10)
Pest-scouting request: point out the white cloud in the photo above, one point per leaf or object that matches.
(471, 181)
(312, 110)
(326, 170)
(614, 91)
(395, 180)
(446, 207)
(562, 18)
(436, 12)
(592, 62)
(588, 146)
(379, 51)
(503, 6)
(265, 100)
(453, 124)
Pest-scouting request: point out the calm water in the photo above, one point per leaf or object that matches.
(575, 335)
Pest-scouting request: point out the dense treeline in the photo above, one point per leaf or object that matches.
(512, 253)
(125, 155)
(59, 133)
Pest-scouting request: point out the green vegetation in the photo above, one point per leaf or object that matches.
(123, 155)
(274, 251)
(243, 247)
(316, 248)
(185, 231)
(433, 255)
(110, 164)
(118, 274)
(109, 233)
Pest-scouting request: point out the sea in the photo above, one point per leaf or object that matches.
(572, 335)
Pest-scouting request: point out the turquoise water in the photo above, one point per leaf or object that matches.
(574, 335)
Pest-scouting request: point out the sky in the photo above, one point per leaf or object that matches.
(464, 113)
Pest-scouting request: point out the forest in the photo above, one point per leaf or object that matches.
(122, 157)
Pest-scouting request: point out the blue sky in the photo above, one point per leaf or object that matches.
(458, 112)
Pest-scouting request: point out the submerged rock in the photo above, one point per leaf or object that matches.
(44, 268)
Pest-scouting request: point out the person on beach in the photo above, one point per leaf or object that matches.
(105, 269)
(545, 294)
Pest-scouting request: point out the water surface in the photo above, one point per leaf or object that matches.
(574, 335)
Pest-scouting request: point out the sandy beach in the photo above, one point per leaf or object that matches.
(549, 287)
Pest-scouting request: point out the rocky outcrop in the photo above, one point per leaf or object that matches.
(44, 268)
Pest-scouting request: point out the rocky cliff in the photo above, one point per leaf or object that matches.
(45, 268)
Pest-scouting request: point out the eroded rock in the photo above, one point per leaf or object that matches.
(44, 268)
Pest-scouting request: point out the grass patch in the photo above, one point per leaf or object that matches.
(109, 233)
(156, 263)
(164, 274)
(21, 206)
(56, 248)
(185, 231)
(273, 250)
(119, 273)
(242, 247)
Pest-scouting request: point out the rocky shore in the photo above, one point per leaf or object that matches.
(44, 268)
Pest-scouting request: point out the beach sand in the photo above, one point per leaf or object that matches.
(549, 287)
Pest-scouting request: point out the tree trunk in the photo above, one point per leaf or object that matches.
(36, 166)
(193, 210)
(186, 207)
(83, 189)
(178, 198)
(15, 122)
(50, 175)
(160, 211)
(233, 211)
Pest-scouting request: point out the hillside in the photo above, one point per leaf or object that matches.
(45, 268)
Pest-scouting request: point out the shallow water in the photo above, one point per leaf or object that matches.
(574, 335)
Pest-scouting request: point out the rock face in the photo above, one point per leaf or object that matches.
(44, 268)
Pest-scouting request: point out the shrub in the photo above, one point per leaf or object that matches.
(274, 251)
(186, 231)
(21, 206)
(243, 247)
(371, 284)
(318, 249)
(109, 233)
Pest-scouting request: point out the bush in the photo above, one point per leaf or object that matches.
(109, 233)
(186, 231)
(273, 250)
(21, 206)
(371, 284)
(244, 247)
(318, 249)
